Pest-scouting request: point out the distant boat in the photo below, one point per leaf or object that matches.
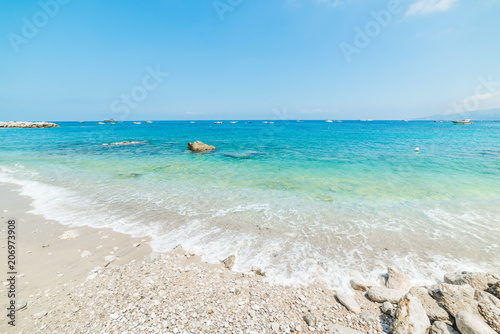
(339, 121)
(149, 122)
(113, 123)
(111, 120)
(329, 121)
(362, 120)
(465, 121)
(192, 122)
(101, 123)
(81, 122)
(233, 122)
(219, 122)
(137, 123)
(249, 122)
(437, 121)
(299, 120)
(405, 120)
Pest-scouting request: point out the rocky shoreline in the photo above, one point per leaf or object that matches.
(175, 292)
(28, 125)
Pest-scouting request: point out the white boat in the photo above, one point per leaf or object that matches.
(149, 122)
(233, 122)
(101, 123)
(192, 122)
(329, 121)
(465, 121)
(137, 123)
(405, 120)
(218, 122)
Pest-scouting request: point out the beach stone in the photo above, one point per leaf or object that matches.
(198, 146)
(469, 323)
(85, 253)
(397, 280)
(410, 317)
(368, 317)
(70, 234)
(381, 294)
(229, 262)
(153, 257)
(480, 281)
(20, 304)
(465, 290)
(360, 285)
(432, 308)
(439, 327)
(491, 314)
(349, 302)
(39, 315)
(310, 319)
(387, 308)
(454, 303)
(339, 329)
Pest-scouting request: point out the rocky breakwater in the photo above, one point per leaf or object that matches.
(465, 303)
(198, 146)
(28, 125)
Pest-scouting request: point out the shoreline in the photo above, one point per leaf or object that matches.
(83, 279)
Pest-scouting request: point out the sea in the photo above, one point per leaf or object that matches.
(305, 202)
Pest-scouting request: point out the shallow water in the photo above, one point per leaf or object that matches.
(303, 201)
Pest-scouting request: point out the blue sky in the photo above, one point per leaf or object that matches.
(247, 59)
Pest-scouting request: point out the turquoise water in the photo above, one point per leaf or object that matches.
(303, 201)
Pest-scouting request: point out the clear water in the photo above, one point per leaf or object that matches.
(302, 201)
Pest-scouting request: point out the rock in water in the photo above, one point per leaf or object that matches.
(439, 327)
(229, 262)
(30, 125)
(397, 280)
(491, 314)
(410, 317)
(349, 302)
(469, 323)
(380, 294)
(198, 146)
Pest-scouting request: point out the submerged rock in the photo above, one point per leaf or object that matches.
(410, 317)
(198, 146)
(469, 323)
(380, 294)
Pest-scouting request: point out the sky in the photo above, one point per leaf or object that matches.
(247, 59)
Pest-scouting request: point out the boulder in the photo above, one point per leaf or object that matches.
(397, 280)
(482, 296)
(439, 327)
(198, 146)
(455, 298)
(491, 314)
(387, 308)
(349, 302)
(469, 323)
(480, 281)
(360, 285)
(410, 317)
(432, 308)
(229, 261)
(339, 329)
(381, 294)
(495, 289)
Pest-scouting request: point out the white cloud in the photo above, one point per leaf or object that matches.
(430, 6)
(489, 100)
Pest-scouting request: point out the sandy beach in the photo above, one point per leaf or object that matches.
(90, 280)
